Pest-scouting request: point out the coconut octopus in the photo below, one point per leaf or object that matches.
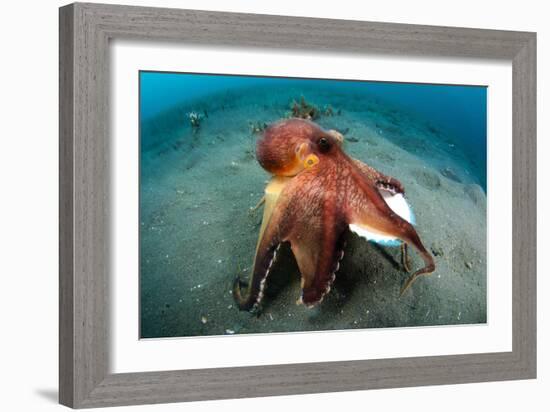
(316, 195)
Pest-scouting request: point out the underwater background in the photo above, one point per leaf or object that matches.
(199, 180)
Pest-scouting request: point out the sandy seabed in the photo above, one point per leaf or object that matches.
(197, 230)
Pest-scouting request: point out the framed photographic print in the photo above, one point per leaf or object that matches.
(257, 205)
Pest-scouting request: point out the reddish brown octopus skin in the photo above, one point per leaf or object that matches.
(276, 152)
(317, 206)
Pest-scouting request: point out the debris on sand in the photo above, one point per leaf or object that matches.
(328, 111)
(437, 250)
(257, 127)
(309, 111)
(195, 120)
(304, 110)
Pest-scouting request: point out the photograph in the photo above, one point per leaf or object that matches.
(224, 206)
(280, 205)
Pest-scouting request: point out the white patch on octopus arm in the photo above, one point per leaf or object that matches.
(399, 205)
(264, 279)
(328, 285)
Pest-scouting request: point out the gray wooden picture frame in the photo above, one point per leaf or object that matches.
(85, 32)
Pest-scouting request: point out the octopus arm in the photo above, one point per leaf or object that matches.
(318, 264)
(304, 214)
(318, 254)
(368, 213)
(269, 241)
(380, 180)
(316, 231)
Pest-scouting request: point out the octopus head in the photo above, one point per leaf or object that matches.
(290, 146)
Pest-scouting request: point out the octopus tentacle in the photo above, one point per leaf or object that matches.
(390, 186)
(368, 209)
(389, 223)
(426, 270)
(405, 257)
(269, 242)
(256, 286)
(315, 230)
(382, 181)
(314, 294)
(318, 263)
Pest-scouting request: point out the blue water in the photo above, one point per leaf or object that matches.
(459, 111)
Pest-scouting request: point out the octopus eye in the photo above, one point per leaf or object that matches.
(324, 144)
